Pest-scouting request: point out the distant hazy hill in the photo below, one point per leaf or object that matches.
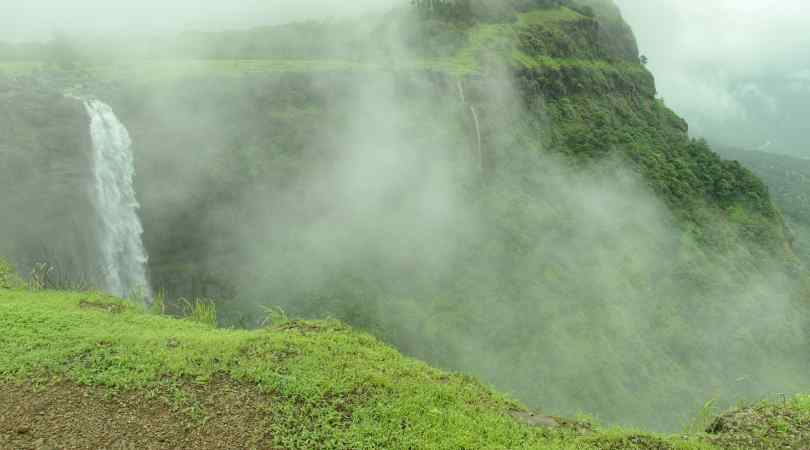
(788, 179)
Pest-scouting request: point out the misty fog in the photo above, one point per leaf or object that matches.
(735, 69)
(36, 20)
(469, 218)
(728, 65)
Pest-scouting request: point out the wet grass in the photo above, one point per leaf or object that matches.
(331, 386)
(766, 425)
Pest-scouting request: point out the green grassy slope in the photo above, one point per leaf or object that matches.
(311, 384)
(331, 387)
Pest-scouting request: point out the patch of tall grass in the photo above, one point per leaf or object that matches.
(200, 310)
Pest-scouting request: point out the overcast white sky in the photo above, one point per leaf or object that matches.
(738, 70)
(37, 19)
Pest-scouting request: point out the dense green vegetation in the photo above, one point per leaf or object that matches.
(331, 387)
(502, 194)
(8, 277)
(788, 179)
(323, 384)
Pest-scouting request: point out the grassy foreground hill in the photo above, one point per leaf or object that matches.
(84, 370)
(298, 385)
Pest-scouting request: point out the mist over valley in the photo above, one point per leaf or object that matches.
(294, 203)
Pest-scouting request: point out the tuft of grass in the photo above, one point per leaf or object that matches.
(274, 316)
(158, 306)
(703, 418)
(767, 425)
(40, 273)
(138, 296)
(9, 278)
(45, 276)
(200, 310)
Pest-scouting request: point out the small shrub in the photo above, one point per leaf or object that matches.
(158, 306)
(703, 419)
(9, 278)
(40, 274)
(201, 311)
(45, 276)
(274, 316)
(141, 295)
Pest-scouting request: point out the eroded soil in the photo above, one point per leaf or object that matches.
(67, 417)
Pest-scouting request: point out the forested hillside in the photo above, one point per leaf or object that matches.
(493, 187)
(788, 180)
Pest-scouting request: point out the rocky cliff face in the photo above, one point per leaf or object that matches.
(567, 83)
(46, 179)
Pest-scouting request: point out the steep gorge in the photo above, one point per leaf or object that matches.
(47, 181)
(602, 260)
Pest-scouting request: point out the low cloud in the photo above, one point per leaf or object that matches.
(729, 65)
(37, 19)
(800, 81)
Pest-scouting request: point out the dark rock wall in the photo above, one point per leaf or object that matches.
(46, 180)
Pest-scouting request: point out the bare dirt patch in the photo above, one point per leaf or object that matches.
(112, 308)
(65, 416)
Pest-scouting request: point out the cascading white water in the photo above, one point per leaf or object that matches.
(123, 256)
(476, 122)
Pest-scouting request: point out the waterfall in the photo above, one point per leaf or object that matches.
(476, 122)
(478, 135)
(123, 256)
